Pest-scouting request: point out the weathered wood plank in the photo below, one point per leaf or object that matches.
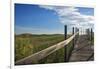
(82, 50)
(34, 58)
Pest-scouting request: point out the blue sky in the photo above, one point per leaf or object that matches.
(36, 20)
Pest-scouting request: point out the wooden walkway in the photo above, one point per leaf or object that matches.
(83, 50)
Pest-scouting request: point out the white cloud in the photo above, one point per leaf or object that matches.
(71, 16)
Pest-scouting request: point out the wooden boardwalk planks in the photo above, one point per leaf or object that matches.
(82, 50)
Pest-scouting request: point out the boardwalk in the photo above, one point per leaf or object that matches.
(83, 50)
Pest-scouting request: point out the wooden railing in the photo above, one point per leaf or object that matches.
(34, 58)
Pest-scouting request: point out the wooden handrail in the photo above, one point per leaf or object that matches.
(34, 58)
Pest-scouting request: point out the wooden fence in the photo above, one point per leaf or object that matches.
(34, 58)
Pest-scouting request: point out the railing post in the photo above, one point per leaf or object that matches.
(65, 48)
(88, 34)
(78, 32)
(73, 41)
(91, 35)
(74, 38)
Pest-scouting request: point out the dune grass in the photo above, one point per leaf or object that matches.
(26, 45)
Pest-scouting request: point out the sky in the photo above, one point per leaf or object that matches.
(46, 19)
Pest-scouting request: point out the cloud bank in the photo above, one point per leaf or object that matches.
(71, 16)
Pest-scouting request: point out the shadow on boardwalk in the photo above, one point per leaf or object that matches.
(83, 50)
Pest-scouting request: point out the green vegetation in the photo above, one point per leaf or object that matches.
(27, 44)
